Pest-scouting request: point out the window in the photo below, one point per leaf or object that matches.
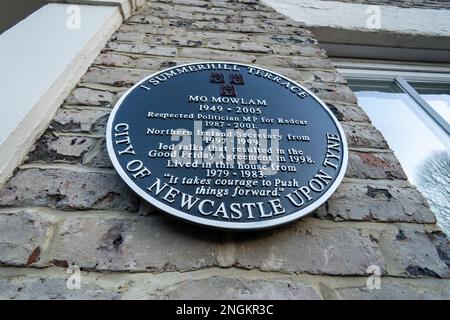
(413, 113)
(436, 95)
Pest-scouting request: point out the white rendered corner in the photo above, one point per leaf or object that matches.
(41, 60)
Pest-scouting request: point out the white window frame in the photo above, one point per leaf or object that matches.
(399, 73)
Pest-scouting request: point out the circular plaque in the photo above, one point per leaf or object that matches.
(227, 145)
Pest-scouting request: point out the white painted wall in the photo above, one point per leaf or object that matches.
(41, 59)
(356, 16)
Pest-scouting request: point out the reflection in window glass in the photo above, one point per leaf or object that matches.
(436, 95)
(421, 146)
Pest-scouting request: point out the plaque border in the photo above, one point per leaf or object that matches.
(216, 223)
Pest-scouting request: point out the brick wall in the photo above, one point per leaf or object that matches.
(66, 205)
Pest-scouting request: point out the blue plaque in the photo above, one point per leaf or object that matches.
(227, 145)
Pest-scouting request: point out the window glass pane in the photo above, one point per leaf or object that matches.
(421, 146)
(436, 95)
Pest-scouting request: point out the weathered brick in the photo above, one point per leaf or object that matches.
(366, 201)
(347, 112)
(293, 62)
(178, 40)
(181, 18)
(132, 37)
(399, 289)
(311, 62)
(22, 237)
(51, 148)
(220, 288)
(98, 156)
(217, 8)
(210, 54)
(307, 50)
(194, 5)
(222, 26)
(363, 136)
(254, 47)
(118, 77)
(199, 3)
(187, 8)
(86, 120)
(52, 287)
(283, 39)
(142, 49)
(67, 189)
(308, 247)
(297, 75)
(90, 97)
(115, 59)
(442, 245)
(409, 252)
(261, 27)
(154, 242)
(202, 35)
(178, 34)
(112, 59)
(329, 76)
(374, 165)
(145, 18)
(221, 44)
(260, 11)
(248, 9)
(153, 64)
(181, 26)
(146, 29)
(333, 92)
